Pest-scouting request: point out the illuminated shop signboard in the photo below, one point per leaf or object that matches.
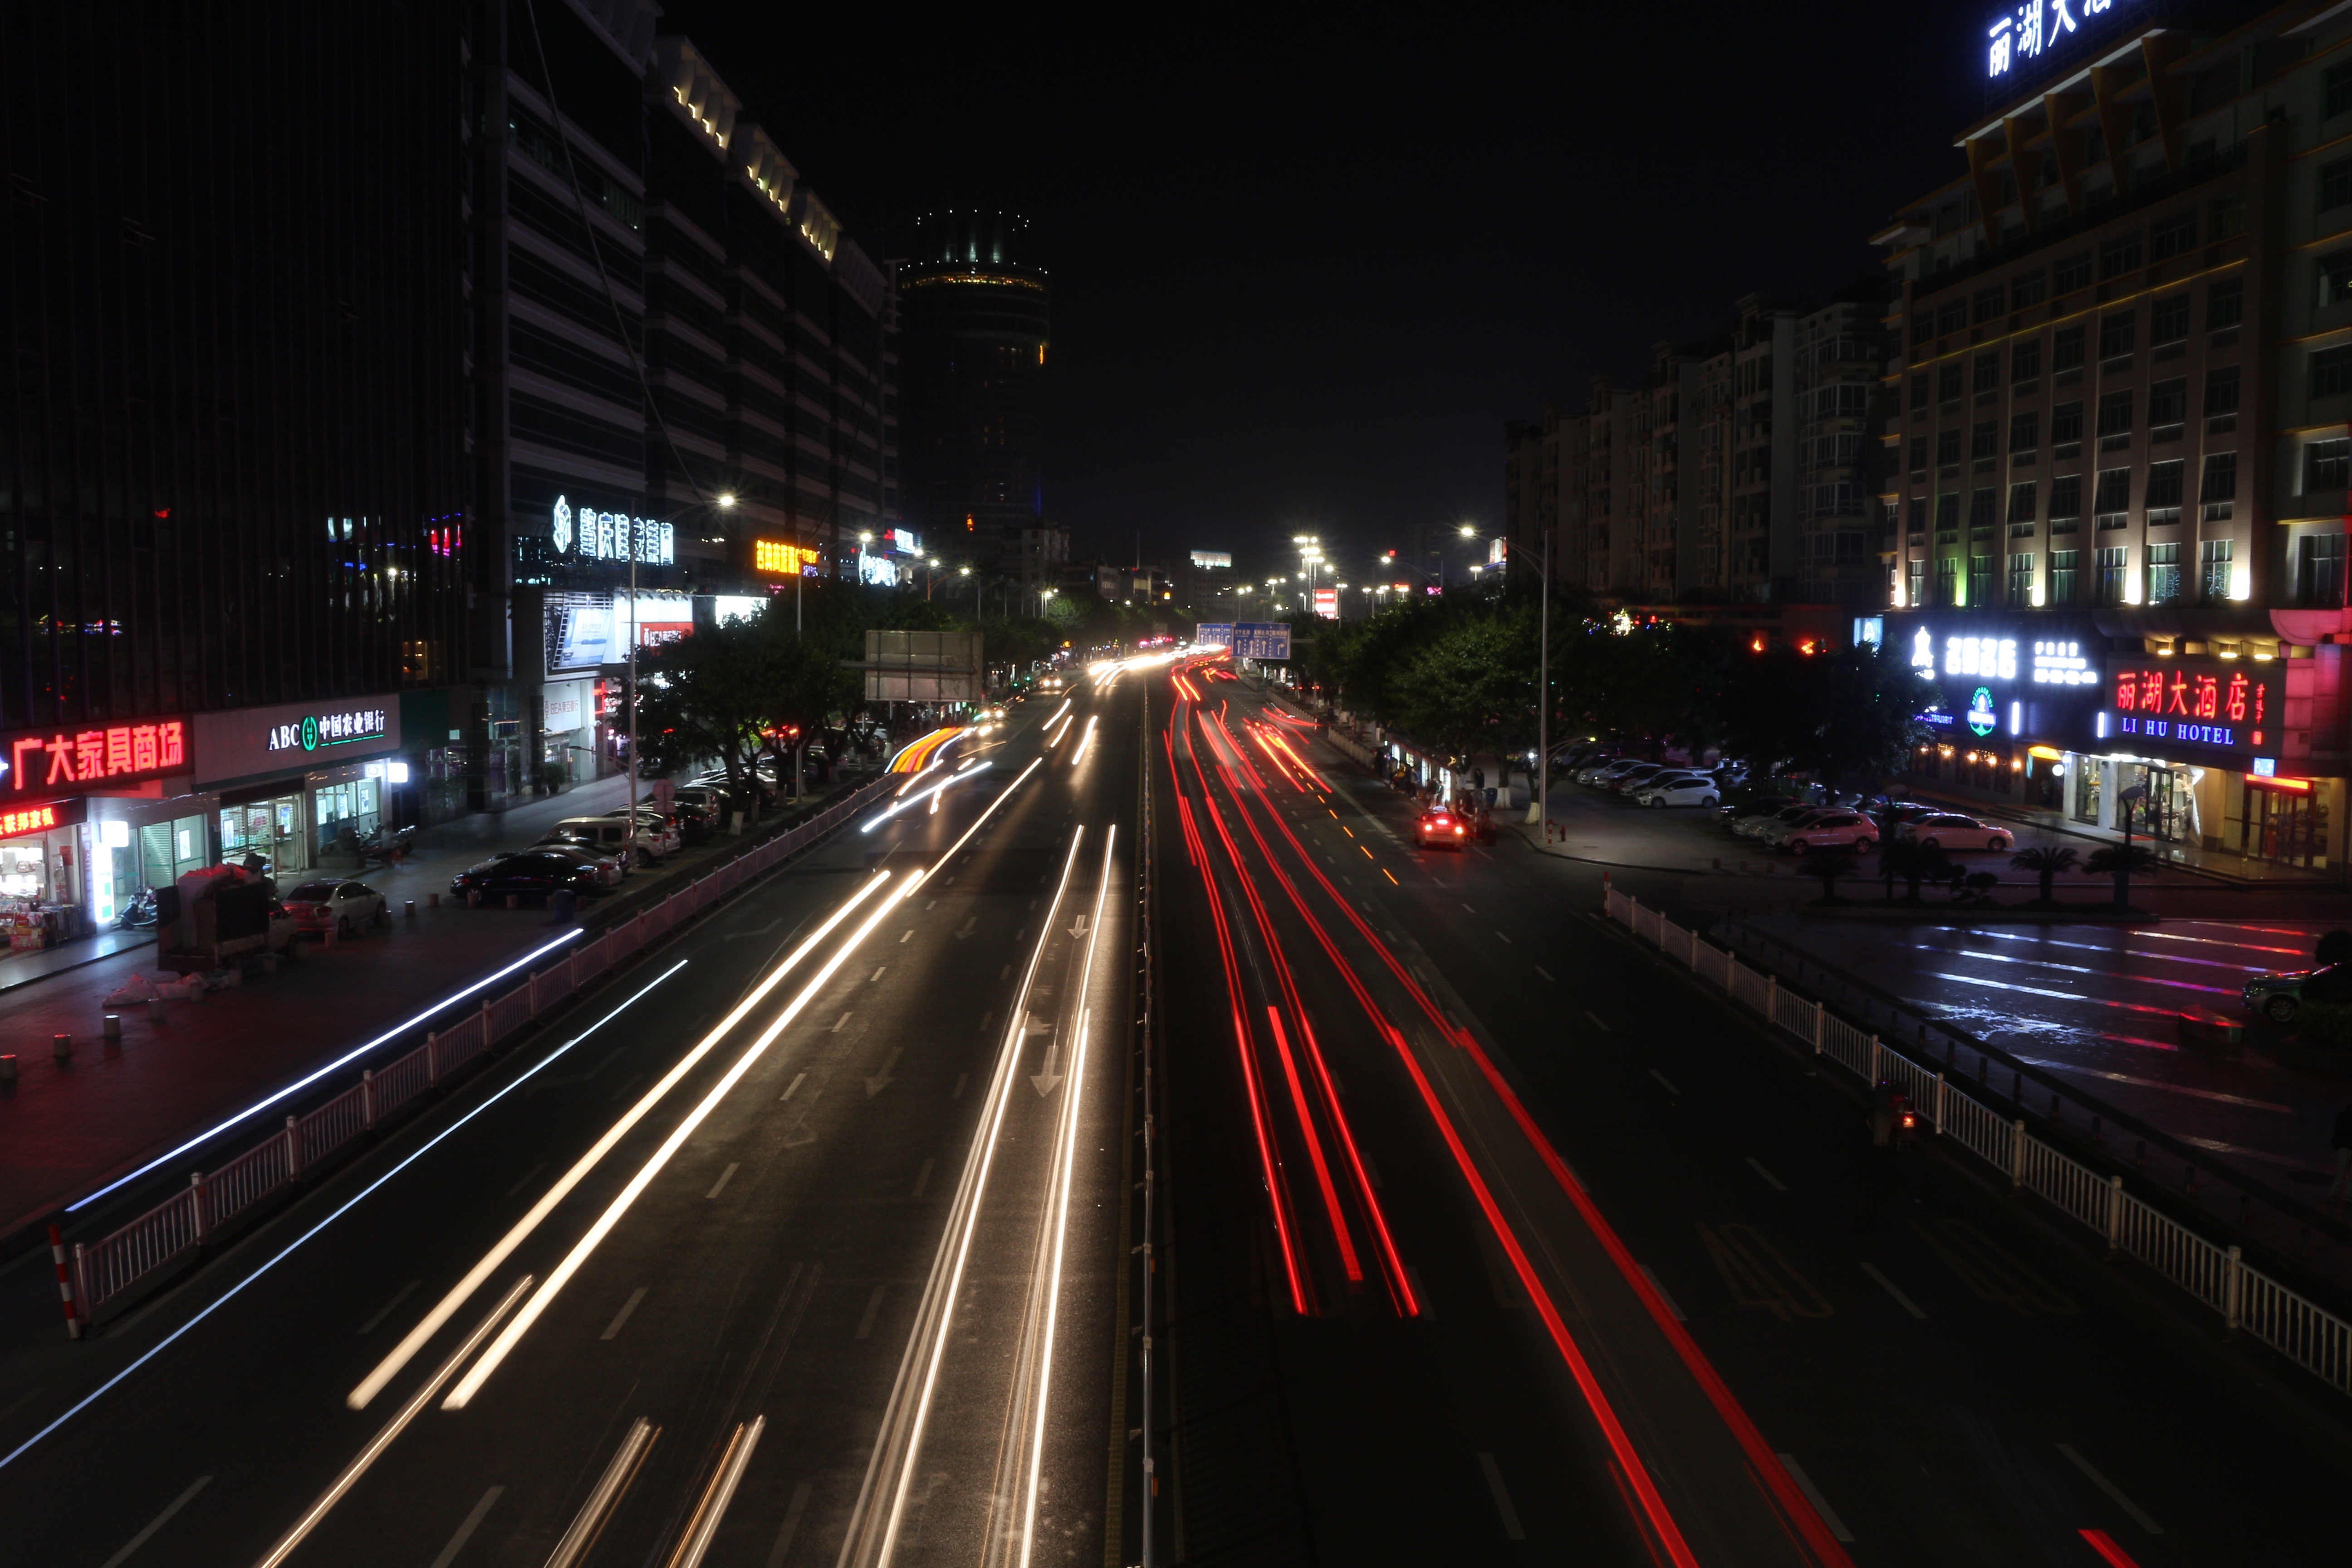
(56, 761)
(335, 727)
(775, 557)
(2219, 705)
(605, 535)
(2019, 37)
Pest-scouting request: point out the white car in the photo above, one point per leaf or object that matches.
(1785, 828)
(1953, 830)
(343, 907)
(1838, 830)
(1678, 789)
(658, 836)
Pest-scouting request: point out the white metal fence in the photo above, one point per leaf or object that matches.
(104, 1268)
(2289, 1322)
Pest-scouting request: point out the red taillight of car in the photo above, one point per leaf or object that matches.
(1457, 829)
(1910, 1118)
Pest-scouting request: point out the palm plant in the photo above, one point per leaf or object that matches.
(2120, 861)
(2045, 861)
(1826, 870)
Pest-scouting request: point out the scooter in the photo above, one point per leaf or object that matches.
(1894, 1121)
(140, 913)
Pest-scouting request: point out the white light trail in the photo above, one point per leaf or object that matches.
(1080, 754)
(1067, 1159)
(491, 1261)
(896, 805)
(163, 1344)
(345, 1060)
(520, 1325)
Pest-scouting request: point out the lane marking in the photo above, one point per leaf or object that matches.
(957, 1093)
(2113, 1493)
(798, 1079)
(873, 1305)
(1663, 1079)
(922, 1178)
(1758, 1166)
(876, 975)
(1368, 854)
(1900, 1298)
(613, 1329)
(1672, 1306)
(1511, 1529)
(791, 1527)
(725, 1176)
(465, 1531)
(1504, 939)
(1598, 1022)
(1468, 911)
(158, 1522)
(1813, 1495)
(1005, 973)
(837, 1022)
(523, 1181)
(1539, 969)
(387, 1308)
(1390, 875)
(906, 937)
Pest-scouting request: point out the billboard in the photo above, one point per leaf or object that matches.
(1326, 603)
(2199, 708)
(923, 667)
(1212, 558)
(1261, 640)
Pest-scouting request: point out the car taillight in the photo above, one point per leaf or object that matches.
(1457, 827)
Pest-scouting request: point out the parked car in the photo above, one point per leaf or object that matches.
(1783, 829)
(1632, 778)
(609, 835)
(1678, 789)
(535, 872)
(658, 836)
(343, 907)
(1838, 830)
(2280, 996)
(607, 869)
(1440, 829)
(1953, 830)
(1610, 772)
(1759, 826)
(1756, 805)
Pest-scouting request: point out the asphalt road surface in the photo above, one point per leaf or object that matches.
(1661, 1300)
(796, 1247)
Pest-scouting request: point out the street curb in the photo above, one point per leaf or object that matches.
(69, 968)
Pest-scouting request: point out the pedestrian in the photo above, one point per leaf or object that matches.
(2342, 1138)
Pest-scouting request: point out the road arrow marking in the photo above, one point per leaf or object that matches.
(1078, 928)
(883, 1079)
(1049, 1080)
(971, 924)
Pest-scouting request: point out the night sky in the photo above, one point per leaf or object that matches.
(1304, 269)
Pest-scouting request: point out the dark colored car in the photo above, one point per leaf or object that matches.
(533, 873)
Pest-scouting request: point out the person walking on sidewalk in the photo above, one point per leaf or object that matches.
(2342, 1138)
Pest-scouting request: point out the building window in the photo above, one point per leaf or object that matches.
(2020, 579)
(2213, 569)
(1988, 372)
(2227, 215)
(1948, 580)
(2074, 272)
(2320, 583)
(2331, 371)
(1948, 512)
(1919, 518)
(2328, 465)
(1923, 328)
(2112, 505)
(2119, 255)
(2168, 408)
(1915, 584)
(1947, 447)
(2167, 319)
(2061, 578)
(2163, 573)
(2025, 360)
(2115, 418)
(1952, 316)
(2221, 391)
(1984, 441)
(2116, 332)
(1919, 398)
(1981, 579)
(1988, 303)
(1918, 457)
(2175, 236)
(2225, 304)
(2025, 431)
(2065, 427)
(2021, 502)
(2027, 289)
(2163, 498)
(2066, 348)
(2335, 86)
(2334, 185)
(2334, 278)
(1982, 508)
(2066, 503)
(1948, 382)
(2107, 587)
(2217, 491)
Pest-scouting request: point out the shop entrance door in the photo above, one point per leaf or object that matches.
(2169, 811)
(2284, 825)
(2090, 782)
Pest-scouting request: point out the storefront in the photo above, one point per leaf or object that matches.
(299, 780)
(70, 801)
(41, 892)
(567, 733)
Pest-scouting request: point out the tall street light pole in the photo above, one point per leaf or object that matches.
(1543, 684)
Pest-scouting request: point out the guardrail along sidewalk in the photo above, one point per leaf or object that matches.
(2216, 1273)
(103, 1270)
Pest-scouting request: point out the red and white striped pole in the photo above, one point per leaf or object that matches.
(65, 1282)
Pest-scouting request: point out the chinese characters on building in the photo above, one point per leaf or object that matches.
(31, 819)
(38, 762)
(2218, 708)
(2024, 33)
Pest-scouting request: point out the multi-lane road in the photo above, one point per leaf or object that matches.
(794, 1246)
(1482, 1237)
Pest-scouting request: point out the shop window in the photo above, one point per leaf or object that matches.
(1948, 580)
(1916, 583)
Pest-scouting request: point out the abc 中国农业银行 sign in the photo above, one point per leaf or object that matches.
(2224, 706)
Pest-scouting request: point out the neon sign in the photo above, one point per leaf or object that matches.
(31, 819)
(772, 555)
(1981, 717)
(2222, 707)
(128, 753)
(607, 535)
(316, 730)
(2024, 32)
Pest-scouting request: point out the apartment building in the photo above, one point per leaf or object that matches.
(2123, 391)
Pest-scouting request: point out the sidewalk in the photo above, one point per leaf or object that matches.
(67, 1128)
(2221, 864)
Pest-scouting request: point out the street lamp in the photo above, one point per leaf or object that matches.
(1543, 682)
(724, 502)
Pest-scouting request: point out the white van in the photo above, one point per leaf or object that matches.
(606, 835)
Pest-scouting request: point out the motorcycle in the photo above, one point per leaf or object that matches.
(140, 913)
(374, 848)
(1894, 1121)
